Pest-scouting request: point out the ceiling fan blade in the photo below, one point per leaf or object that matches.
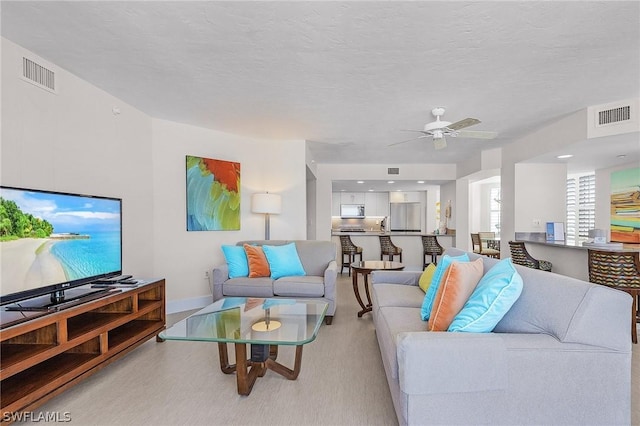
(440, 143)
(408, 140)
(416, 131)
(467, 122)
(476, 134)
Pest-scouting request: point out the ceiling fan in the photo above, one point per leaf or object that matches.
(438, 129)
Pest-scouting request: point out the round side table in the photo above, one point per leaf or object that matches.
(365, 269)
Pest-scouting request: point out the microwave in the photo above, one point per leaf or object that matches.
(352, 210)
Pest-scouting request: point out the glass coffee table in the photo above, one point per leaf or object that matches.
(264, 324)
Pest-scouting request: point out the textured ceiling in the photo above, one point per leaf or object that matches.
(346, 76)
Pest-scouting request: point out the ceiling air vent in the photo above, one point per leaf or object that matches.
(393, 171)
(37, 74)
(614, 115)
(612, 119)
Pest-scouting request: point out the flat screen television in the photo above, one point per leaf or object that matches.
(52, 242)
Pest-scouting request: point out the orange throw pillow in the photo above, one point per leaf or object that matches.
(458, 282)
(258, 265)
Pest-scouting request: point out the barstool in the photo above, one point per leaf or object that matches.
(520, 256)
(388, 248)
(351, 250)
(431, 247)
(619, 270)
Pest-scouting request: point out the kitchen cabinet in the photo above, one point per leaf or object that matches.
(335, 204)
(405, 197)
(352, 197)
(376, 203)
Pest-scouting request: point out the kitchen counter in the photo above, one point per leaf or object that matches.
(540, 238)
(410, 242)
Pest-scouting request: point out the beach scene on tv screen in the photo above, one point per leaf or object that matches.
(48, 238)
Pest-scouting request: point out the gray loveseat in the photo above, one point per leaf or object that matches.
(561, 355)
(318, 259)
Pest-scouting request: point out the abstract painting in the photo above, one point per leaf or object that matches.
(625, 206)
(213, 194)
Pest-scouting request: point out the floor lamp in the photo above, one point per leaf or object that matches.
(267, 204)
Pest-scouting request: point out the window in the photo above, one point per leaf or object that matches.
(581, 206)
(494, 210)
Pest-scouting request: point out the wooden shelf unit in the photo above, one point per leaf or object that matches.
(42, 357)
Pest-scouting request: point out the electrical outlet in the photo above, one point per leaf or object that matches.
(206, 275)
(536, 222)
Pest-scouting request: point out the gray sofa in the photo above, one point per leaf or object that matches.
(318, 259)
(561, 355)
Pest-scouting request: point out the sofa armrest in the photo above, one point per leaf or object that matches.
(437, 363)
(396, 277)
(220, 275)
(330, 278)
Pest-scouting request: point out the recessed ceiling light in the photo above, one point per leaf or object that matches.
(565, 156)
(420, 181)
(391, 181)
(360, 181)
(371, 190)
(621, 156)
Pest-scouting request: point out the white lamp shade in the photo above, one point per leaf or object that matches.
(266, 203)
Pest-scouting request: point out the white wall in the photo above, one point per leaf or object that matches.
(183, 257)
(72, 142)
(540, 195)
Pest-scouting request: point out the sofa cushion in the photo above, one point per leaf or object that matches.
(458, 283)
(299, 286)
(237, 262)
(429, 297)
(397, 295)
(258, 265)
(316, 255)
(426, 277)
(494, 295)
(283, 260)
(393, 320)
(248, 287)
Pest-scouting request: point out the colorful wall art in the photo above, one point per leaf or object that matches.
(625, 206)
(213, 194)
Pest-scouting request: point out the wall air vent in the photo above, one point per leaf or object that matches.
(613, 119)
(614, 115)
(393, 171)
(38, 75)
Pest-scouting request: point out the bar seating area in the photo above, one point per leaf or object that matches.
(619, 270)
(350, 250)
(520, 256)
(387, 248)
(432, 248)
(478, 248)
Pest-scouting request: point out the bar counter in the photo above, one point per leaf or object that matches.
(410, 242)
(568, 258)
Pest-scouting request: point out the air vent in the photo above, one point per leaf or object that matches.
(614, 115)
(612, 119)
(37, 74)
(393, 171)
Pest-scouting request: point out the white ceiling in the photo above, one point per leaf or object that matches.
(346, 76)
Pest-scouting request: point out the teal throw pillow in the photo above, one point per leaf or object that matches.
(430, 295)
(494, 295)
(283, 261)
(237, 261)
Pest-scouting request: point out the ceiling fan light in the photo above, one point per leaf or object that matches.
(437, 134)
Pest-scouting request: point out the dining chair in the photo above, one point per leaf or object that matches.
(520, 256)
(350, 250)
(619, 270)
(478, 249)
(430, 246)
(389, 249)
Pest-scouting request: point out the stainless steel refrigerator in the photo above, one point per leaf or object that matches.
(405, 217)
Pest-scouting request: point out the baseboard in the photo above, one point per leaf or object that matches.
(182, 305)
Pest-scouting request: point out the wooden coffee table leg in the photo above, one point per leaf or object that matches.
(224, 359)
(246, 372)
(356, 291)
(366, 290)
(285, 371)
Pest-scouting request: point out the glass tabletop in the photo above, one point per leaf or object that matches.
(252, 320)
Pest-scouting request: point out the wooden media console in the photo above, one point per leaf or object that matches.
(43, 356)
